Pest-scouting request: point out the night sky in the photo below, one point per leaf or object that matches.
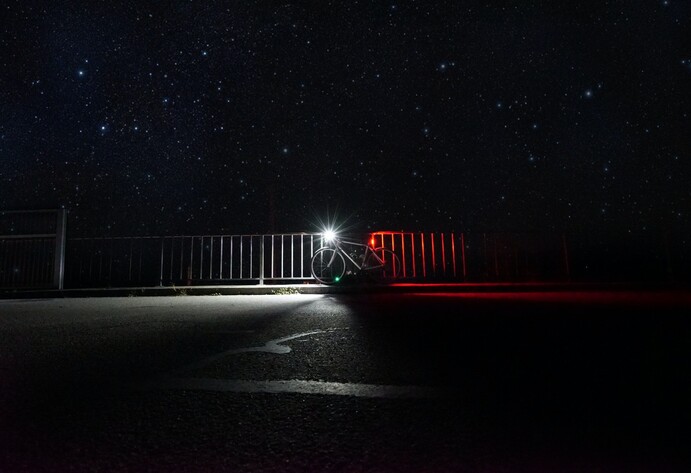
(200, 116)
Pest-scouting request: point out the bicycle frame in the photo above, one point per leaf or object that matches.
(338, 245)
(328, 268)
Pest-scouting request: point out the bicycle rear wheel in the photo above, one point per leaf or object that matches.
(328, 266)
(382, 265)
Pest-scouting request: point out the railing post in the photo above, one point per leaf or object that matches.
(160, 279)
(465, 271)
(261, 261)
(567, 266)
(60, 241)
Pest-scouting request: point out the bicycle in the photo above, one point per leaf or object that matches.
(329, 263)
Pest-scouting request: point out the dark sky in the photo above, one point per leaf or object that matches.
(186, 117)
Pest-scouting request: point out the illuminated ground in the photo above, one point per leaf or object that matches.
(483, 381)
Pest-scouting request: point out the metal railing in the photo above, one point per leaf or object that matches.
(37, 258)
(256, 258)
(477, 256)
(191, 259)
(32, 249)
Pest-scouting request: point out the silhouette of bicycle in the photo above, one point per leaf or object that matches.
(380, 265)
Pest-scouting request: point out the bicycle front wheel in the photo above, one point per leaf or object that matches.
(382, 265)
(328, 266)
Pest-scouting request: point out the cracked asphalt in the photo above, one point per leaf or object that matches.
(488, 382)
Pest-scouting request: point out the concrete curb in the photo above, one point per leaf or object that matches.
(286, 289)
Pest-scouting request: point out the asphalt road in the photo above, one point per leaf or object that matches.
(485, 382)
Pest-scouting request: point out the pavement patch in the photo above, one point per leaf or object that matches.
(272, 346)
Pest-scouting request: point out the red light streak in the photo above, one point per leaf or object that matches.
(393, 248)
(434, 258)
(627, 298)
(443, 253)
(453, 254)
(412, 244)
(424, 262)
(403, 253)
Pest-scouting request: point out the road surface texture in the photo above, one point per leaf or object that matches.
(486, 382)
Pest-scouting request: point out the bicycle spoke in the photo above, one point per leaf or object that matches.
(328, 266)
